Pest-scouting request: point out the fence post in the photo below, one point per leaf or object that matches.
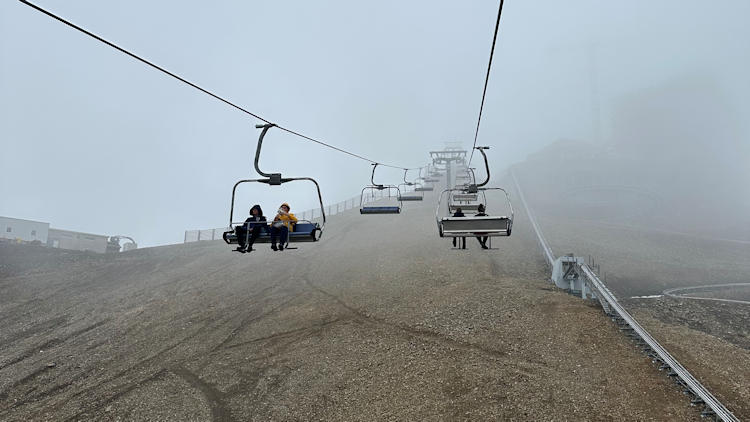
(199, 236)
(185, 241)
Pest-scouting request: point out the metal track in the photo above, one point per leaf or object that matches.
(712, 406)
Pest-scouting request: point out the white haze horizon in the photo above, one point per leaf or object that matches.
(95, 141)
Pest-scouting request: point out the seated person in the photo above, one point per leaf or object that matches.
(283, 223)
(482, 239)
(253, 225)
(459, 213)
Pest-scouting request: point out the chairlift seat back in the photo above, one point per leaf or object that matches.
(465, 196)
(410, 198)
(475, 226)
(464, 207)
(424, 189)
(380, 210)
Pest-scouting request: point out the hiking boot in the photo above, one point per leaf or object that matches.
(273, 246)
(484, 246)
(281, 247)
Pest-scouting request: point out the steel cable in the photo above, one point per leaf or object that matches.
(205, 91)
(486, 79)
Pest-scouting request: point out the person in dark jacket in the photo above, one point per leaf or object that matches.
(459, 213)
(482, 239)
(252, 227)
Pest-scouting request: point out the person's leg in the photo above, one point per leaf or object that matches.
(253, 236)
(454, 242)
(241, 232)
(484, 242)
(274, 236)
(284, 237)
(463, 242)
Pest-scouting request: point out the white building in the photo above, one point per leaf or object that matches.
(77, 241)
(24, 230)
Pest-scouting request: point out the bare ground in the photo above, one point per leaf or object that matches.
(711, 338)
(379, 321)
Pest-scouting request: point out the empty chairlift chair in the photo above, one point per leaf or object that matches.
(424, 187)
(403, 196)
(468, 202)
(379, 209)
(465, 182)
(303, 230)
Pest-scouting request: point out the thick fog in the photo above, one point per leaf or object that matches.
(95, 141)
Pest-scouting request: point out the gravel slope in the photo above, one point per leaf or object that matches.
(712, 339)
(379, 321)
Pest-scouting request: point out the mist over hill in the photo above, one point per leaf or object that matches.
(678, 159)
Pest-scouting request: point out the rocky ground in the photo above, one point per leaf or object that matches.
(710, 338)
(381, 320)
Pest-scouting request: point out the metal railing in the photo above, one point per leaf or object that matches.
(701, 396)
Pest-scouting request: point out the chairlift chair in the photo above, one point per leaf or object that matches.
(406, 184)
(424, 187)
(470, 179)
(302, 230)
(379, 209)
(490, 226)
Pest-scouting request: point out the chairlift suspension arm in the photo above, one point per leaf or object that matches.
(473, 175)
(486, 166)
(372, 176)
(260, 145)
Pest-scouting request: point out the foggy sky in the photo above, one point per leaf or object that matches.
(95, 141)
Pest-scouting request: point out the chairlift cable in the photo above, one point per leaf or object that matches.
(203, 90)
(486, 79)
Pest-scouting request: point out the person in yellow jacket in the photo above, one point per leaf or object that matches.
(283, 223)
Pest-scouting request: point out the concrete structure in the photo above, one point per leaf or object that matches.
(66, 239)
(25, 230)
